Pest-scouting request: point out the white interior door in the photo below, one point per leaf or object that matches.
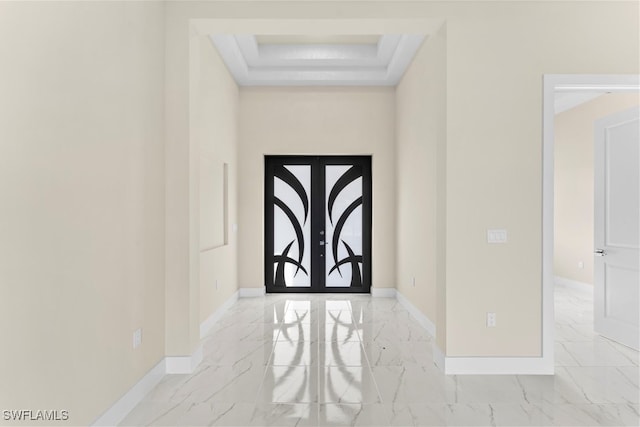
(617, 229)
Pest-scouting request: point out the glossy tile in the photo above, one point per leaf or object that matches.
(458, 414)
(284, 415)
(294, 353)
(629, 353)
(574, 332)
(237, 353)
(592, 415)
(238, 383)
(350, 353)
(599, 353)
(289, 384)
(216, 414)
(563, 357)
(154, 413)
(422, 352)
(294, 317)
(390, 330)
(296, 332)
(597, 385)
(243, 332)
(492, 389)
(354, 414)
(327, 331)
(337, 332)
(353, 360)
(385, 352)
(414, 384)
(521, 414)
(348, 384)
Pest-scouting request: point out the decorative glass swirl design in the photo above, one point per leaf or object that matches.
(343, 225)
(292, 229)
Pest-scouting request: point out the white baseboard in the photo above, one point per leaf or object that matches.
(423, 320)
(478, 365)
(119, 410)
(383, 292)
(572, 284)
(498, 366)
(210, 321)
(168, 365)
(251, 292)
(184, 364)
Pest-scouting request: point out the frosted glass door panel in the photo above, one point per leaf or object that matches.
(343, 226)
(291, 226)
(317, 234)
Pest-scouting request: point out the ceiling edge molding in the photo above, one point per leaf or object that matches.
(381, 64)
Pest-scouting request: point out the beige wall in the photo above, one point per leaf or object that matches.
(420, 179)
(94, 204)
(497, 53)
(82, 194)
(214, 125)
(573, 181)
(200, 127)
(182, 231)
(496, 56)
(349, 121)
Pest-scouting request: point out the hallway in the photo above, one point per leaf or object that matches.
(334, 360)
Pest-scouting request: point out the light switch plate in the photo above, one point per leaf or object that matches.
(491, 320)
(496, 236)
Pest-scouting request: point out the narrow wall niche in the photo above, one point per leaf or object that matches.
(214, 203)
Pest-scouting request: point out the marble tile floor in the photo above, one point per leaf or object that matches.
(353, 360)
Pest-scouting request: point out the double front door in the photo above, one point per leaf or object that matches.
(318, 223)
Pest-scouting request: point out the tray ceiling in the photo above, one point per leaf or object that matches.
(329, 60)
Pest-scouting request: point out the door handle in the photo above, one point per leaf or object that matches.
(322, 243)
(599, 252)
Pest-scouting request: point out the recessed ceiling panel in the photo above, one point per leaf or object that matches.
(318, 39)
(317, 60)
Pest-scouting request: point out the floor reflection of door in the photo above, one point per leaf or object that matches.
(319, 357)
(318, 223)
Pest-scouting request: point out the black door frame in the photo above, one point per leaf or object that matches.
(317, 211)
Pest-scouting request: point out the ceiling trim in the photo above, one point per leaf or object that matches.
(381, 64)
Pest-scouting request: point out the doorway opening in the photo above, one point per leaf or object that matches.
(318, 224)
(570, 257)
